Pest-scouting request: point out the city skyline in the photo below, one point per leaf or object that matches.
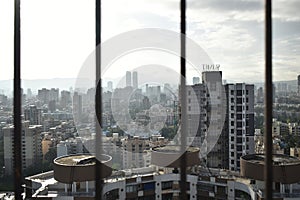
(70, 83)
(150, 134)
(141, 127)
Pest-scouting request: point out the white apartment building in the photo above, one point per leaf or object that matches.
(240, 122)
(133, 152)
(70, 146)
(31, 146)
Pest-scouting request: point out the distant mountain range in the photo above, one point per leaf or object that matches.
(292, 84)
(61, 83)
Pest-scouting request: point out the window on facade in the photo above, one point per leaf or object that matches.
(239, 108)
(239, 100)
(239, 93)
(239, 116)
(239, 148)
(239, 132)
(166, 185)
(131, 188)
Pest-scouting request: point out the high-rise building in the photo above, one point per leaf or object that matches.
(240, 122)
(128, 79)
(215, 113)
(31, 146)
(282, 89)
(90, 96)
(298, 84)
(133, 152)
(260, 95)
(54, 94)
(221, 120)
(196, 121)
(205, 111)
(65, 98)
(44, 95)
(196, 80)
(110, 86)
(77, 106)
(135, 80)
(153, 92)
(33, 115)
(29, 93)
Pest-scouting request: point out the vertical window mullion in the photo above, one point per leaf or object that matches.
(269, 100)
(183, 188)
(17, 104)
(98, 102)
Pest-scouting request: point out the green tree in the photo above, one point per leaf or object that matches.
(169, 132)
(51, 155)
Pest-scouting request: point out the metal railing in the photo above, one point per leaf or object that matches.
(183, 188)
(17, 99)
(268, 100)
(17, 104)
(98, 101)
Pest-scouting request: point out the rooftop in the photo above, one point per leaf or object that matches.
(278, 159)
(76, 160)
(174, 149)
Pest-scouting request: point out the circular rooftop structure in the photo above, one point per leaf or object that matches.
(169, 156)
(285, 168)
(80, 167)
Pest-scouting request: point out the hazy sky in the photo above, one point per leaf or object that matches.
(58, 35)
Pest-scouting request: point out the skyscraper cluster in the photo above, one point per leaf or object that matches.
(46, 95)
(132, 82)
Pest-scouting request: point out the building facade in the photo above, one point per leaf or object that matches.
(135, 80)
(133, 152)
(128, 79)
(299, 85)
(31, 146)
(221, 120)
(33, 115)
(240, 122)
(148, 184)
(77, 106)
